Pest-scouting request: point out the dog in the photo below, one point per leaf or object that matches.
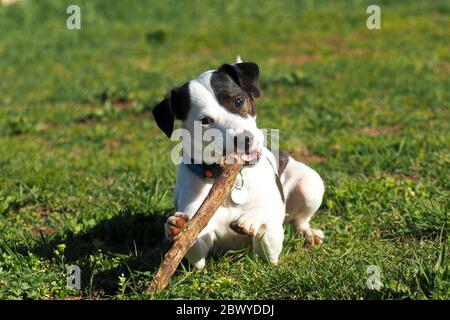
(273, 189)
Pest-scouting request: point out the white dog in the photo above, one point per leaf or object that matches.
(269, 191)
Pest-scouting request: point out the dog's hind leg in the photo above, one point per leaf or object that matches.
(304, 191)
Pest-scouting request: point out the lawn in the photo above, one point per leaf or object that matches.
(86, 177)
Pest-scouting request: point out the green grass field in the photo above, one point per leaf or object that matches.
(86, 176)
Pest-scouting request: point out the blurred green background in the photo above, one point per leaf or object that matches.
(86, 177)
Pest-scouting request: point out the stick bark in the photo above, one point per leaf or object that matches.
(189, 234)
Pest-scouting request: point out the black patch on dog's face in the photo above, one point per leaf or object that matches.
(228, 92)
(176, 106)
(245, 74)
(235, 86)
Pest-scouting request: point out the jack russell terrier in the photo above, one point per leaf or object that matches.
(271, 189)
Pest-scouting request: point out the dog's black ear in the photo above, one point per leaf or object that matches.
(180, 101)
(164, 117)
(175, 107)
(246, 74)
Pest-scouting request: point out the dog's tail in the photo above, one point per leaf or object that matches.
(238, 59)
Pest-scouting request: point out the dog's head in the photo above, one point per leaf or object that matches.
(218, 101)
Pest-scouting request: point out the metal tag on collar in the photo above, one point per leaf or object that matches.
(239, 194)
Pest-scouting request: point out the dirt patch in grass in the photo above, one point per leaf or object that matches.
(397, 176)
(113, 144)
(43, 212)
(379, 131)
(123, 104)
(304, 155)
(44, 230)
(351, 53)
(340, 47)
(442, 68)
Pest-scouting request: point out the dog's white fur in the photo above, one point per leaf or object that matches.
(264, 211)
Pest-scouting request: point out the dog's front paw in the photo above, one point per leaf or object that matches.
(175, 224)
(246, 225)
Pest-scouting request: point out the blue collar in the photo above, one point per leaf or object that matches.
(212, 171)
(203, 170)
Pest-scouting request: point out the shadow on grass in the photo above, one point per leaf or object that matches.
(136, 240)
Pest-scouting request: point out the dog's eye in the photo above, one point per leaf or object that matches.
(206, 120)
(238, 102)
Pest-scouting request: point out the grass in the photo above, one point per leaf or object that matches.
(86, 177)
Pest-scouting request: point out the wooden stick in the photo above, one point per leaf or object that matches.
(186, 238)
